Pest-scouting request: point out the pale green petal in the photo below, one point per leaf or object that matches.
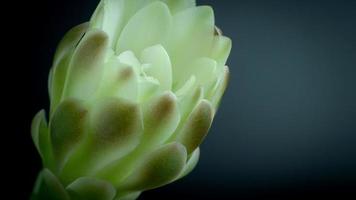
(191, 37)
(119, 80)
(192, 162)
(190, 100)
(38, 124)
(112, 12)
(197, 126)
(178, 5)
(221, 49)
(157, 169)
(47, 186)
(160, 68)
(204, 70)
(69, 41)
(219, 91)
(87, 188)
(129, 58)
(116, 126)
(97, 19)
(148, 87)
(161, 118)
(41, 138)
(85, 69)
(67, 129)
(147, 27)
(61, 62)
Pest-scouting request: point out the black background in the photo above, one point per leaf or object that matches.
(286, 128)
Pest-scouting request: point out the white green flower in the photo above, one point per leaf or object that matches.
(133, 93)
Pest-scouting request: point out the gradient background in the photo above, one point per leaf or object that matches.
(286, 128)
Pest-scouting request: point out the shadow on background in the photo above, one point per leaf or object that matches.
(286, 126)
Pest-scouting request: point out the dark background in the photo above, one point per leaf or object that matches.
(286, 128)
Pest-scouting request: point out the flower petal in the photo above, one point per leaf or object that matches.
(204, 69)
(157, 169)
(47, 186)
(38, 125)
(85, 69)
(61, 61)
(177, 6)
(197, 126)
(119, 80)
(192, 162)
(191, 37)
(161, 68)
(67, 129)
(220, 89)
(116, 126)
(149, 26)
(161, 118)
(221, 49)
(86, 188)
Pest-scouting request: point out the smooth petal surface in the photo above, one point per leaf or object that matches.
(85, 68)
(119, 80)
(197, 126)
(192, 162)
(159, 168)
(39, 124)
(191, 37)
(161, 118)
(61, 61)
(218, 93)
(221, 49)
(110, 19)
(160, 65)
(41, 138)
(178, 5)
(67, 129)
(86, 188)
(147, 27)
(116, 126)
(204, 70)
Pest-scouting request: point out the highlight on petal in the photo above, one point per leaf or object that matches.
(87, 188)
(149, 26)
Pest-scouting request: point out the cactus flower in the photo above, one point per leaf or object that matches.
(133, 93)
